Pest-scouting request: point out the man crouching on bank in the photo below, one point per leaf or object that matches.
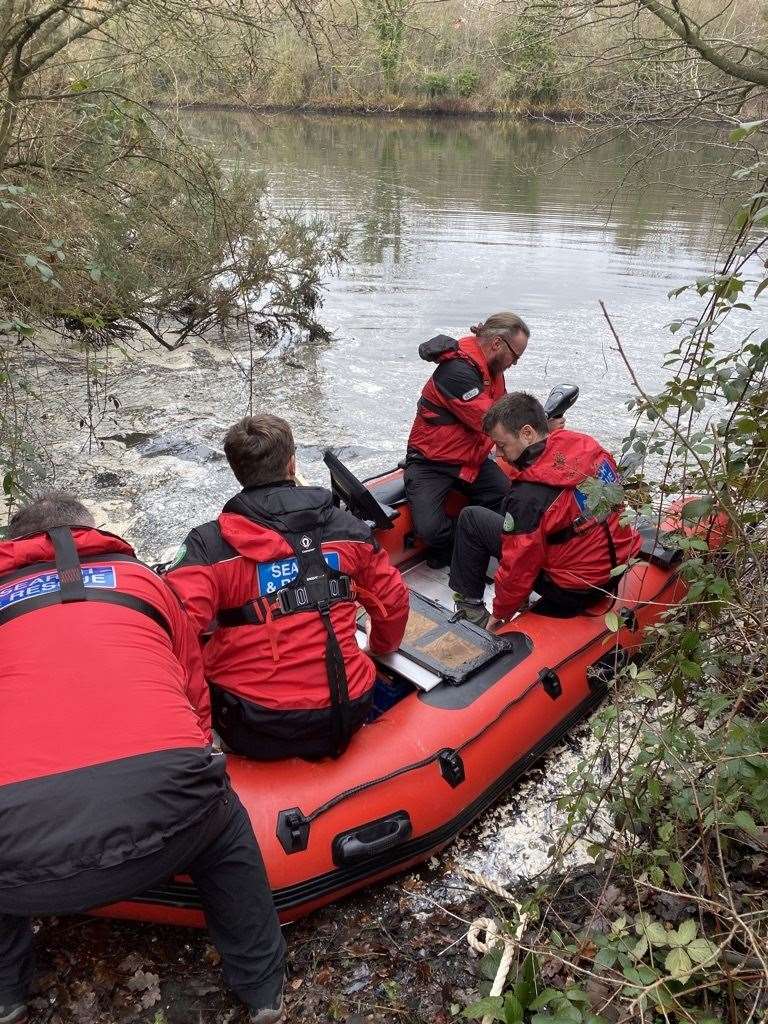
(109, 783)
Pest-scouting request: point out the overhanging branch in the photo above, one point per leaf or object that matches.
(685, 30)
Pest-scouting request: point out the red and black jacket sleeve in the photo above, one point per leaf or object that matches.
(523, 544)
(461, 385)
(384, 596)
(199, 576)
(186, 648)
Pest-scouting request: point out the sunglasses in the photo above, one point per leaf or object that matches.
(515, 355)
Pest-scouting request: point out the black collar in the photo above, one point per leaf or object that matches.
(272, 483)
(529, 455)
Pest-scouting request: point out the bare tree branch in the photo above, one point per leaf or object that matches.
(684, 28)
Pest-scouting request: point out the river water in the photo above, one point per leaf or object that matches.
(450, 221)
(453, 220)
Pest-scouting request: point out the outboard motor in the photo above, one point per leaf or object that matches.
(561, 398)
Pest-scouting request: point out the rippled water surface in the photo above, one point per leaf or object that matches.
(450, 220)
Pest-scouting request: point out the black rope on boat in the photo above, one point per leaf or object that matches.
(433, 758)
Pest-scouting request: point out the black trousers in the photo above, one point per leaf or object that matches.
(478, 538)
(221, 855)
(428, 484)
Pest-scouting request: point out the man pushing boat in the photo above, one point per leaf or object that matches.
(546, 538)
(109, 782)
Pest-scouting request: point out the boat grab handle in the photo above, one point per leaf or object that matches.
(371, 839)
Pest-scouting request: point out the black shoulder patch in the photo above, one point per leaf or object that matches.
(526, 505)
(457, 378)
(203, 546)
(342, 525)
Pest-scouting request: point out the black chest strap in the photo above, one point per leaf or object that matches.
(583, 525)
(72, 588)
(297, 596)
(317, 588)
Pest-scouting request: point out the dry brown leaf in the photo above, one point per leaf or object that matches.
(142, 980)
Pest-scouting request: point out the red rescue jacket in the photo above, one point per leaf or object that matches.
(105, 723)
(274, 665)
(547, 528)
(449, 416)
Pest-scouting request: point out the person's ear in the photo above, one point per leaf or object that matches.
(292, 467)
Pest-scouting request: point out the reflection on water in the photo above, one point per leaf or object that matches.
(450, 221)
(453, 220)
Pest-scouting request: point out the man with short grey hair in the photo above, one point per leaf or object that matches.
(109, 782)
(54, 508)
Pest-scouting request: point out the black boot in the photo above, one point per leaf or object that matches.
(473, 611)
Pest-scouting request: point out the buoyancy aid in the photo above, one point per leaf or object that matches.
(269, 690)
(67, 579)
(448, 427)
(547, 525)
(102, 693)
(317, 587)
(571, 459)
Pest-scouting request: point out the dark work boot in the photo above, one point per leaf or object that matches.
(438, 558)
(269, 1015)
(473, 611)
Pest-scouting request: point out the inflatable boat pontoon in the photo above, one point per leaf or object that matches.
(463, 715)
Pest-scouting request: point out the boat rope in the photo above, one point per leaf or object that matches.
(493, 936)
(486, 883)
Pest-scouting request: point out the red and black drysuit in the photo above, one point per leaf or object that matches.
(280, 572)
(545, 539)
(447, 448)
(108, 781)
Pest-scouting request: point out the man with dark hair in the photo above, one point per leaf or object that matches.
(546, 538)
(109, 783)
(447, 448)
(279, 573)
(258, 449)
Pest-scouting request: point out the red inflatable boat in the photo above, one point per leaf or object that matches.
(468, 714)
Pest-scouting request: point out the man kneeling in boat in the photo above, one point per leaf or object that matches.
(108, 782)
(281, 571)
(545, 537)
(447, 448)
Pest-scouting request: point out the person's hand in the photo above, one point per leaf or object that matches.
(494, 624)
(557, 423)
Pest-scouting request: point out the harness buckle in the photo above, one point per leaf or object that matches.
(283, 601)
(581, 522)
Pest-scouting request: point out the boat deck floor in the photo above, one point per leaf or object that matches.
(433, 584)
